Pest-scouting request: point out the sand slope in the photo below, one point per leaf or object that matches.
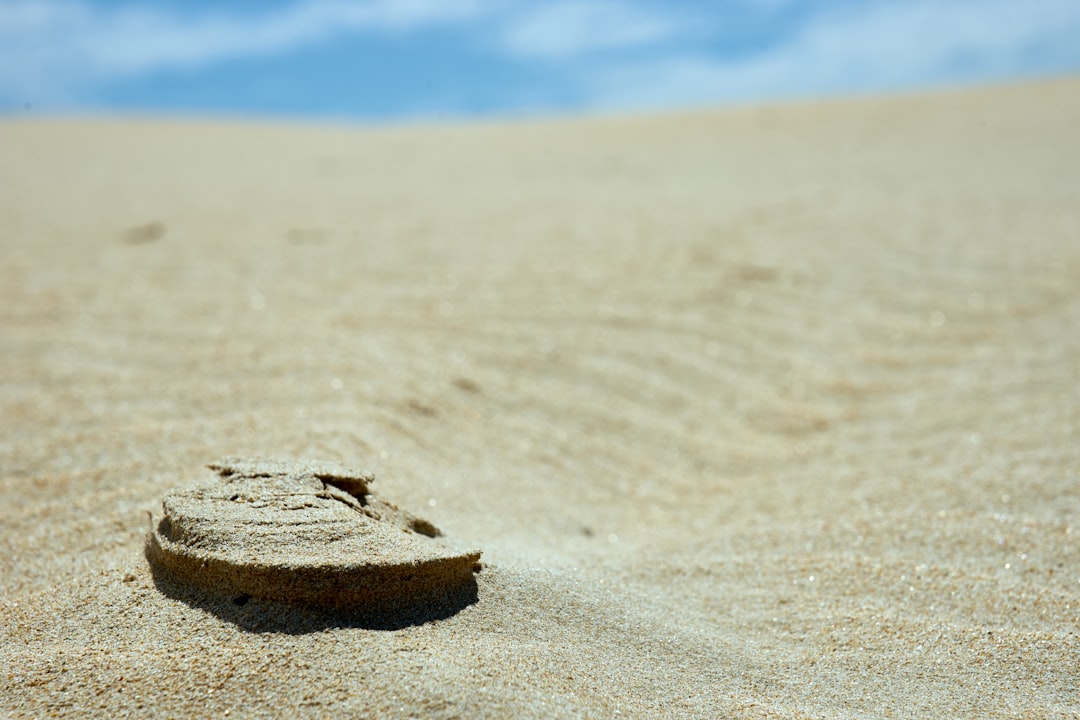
(760, 413)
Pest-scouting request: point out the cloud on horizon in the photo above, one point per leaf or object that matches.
(871, 47)
(511, 56)
(567, 30)
(64, 47)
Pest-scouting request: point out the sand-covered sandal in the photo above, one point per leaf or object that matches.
(302, 533)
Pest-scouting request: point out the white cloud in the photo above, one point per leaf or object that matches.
(563, 30)
(59, 49)
(877, 47)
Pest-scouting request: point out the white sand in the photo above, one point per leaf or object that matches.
(761, 413)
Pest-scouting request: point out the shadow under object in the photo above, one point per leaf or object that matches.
(262, 616)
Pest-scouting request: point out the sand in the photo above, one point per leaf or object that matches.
(766, 412)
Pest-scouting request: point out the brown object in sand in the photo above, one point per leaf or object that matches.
(305, 533)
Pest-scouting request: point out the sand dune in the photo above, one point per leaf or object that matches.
(769, 412)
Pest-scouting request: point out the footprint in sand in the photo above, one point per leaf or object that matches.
(302, 533)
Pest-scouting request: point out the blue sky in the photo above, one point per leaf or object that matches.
(393, 60)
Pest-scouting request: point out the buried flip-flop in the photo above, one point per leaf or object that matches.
(303, 533)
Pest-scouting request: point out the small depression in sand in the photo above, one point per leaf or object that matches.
(303, 533)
